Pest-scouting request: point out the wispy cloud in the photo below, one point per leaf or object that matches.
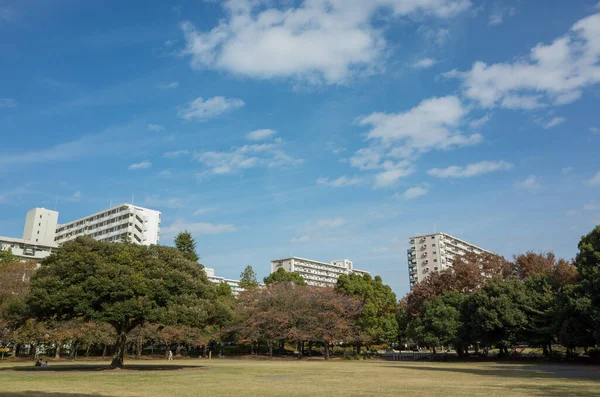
(260, 135)
(169, 86)
(8, 103)
(241, 158)
(554, 122)
(176, 153)
(140, 166)
(197, 228)
(202, 110)
(156, 127)
(595, 180)
(319, 230)
(342, 181)
(202, 211)
(478, 123)
(530, 183)
(414, 192)
(424, 63)
(499, 13)
(471, 170)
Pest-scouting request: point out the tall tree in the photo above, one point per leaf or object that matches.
(124, 285)
(587, 262)
(185, 243)
(281, 276)
(377, 320)
(248, 279)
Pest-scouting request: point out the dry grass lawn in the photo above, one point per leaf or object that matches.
(241, 378)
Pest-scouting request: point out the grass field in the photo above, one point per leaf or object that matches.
(242, 378)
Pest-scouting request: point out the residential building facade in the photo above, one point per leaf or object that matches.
(141, 225)
(234, 284)
(40, 226)
(26, 250)
(435, 252)
(315, 273)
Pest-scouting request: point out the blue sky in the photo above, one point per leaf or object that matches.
(325, 129)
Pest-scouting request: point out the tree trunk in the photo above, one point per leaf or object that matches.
(302, 349)
(33, 350)
(281, 347)
(358, 347)
(87, 351)
(57, 351)
(178, 350)
(270, 348)
(119, 353)
(167, 350)
(204, 350)
(310, 345)
(104, 351)
(138, 351)
(326, 351)
(434, 352)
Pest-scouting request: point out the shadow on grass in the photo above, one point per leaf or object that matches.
(98, 367)
(550, 371)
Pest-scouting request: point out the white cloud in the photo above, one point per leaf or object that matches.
(590, 207)
(202, 110)
(530, 183)
(566, 170)
(594, 130)
(201, 211)
(553, 73)
(413, 192)
(165, 174)
(470, 170)
(554, 122)
(197, 228)
(342, 181)
(156, 127)
(319, 230)
(478, 123)
(7, 103)
(432, 124)
(595, 180)
(438, 36)
(316, 40)
(424, 63)
(157, 202)
(73, 198)
(259, 135)
(169, 86)
(176, 153)
(140, 166)
(499, 13)
(269, 155)
(392, 174)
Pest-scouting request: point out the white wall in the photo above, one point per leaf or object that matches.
(40, 226)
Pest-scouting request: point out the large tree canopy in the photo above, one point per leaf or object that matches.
(124, 285)
(281, 276)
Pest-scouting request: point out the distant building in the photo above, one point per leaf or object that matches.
(315, 273)
(435, 252)
(141, 225)
(234, 284)
(26, 250)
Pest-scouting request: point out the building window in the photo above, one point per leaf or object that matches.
(40, 217)
(433, 237)
(38, 232)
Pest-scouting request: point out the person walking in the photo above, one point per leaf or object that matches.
(170, 355)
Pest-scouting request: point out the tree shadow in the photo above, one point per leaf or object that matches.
(98, 368)
(549, 371)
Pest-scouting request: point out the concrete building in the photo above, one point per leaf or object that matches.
(25, 249)
(142, 225)
(435, 252)
(234, 284)
(315, 273)
(40, 226)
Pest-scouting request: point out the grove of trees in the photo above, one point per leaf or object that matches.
(119, 299)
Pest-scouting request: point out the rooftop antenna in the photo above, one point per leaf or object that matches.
(56, 203)
(110, 205)
(131, 198)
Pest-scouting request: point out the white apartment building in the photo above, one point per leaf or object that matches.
(315, 273)
(435, 252)
(142, 225)
(40, 226)
(234, 284)
(26, 250)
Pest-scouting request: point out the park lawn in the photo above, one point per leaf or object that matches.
(242, 378)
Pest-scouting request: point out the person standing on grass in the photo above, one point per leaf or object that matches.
(170, 355)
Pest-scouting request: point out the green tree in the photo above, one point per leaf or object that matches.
(587, 262)
(248, 279)
(281, 276)
(377, 320)
(187, 245)
(7, 256)
(124, 285)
